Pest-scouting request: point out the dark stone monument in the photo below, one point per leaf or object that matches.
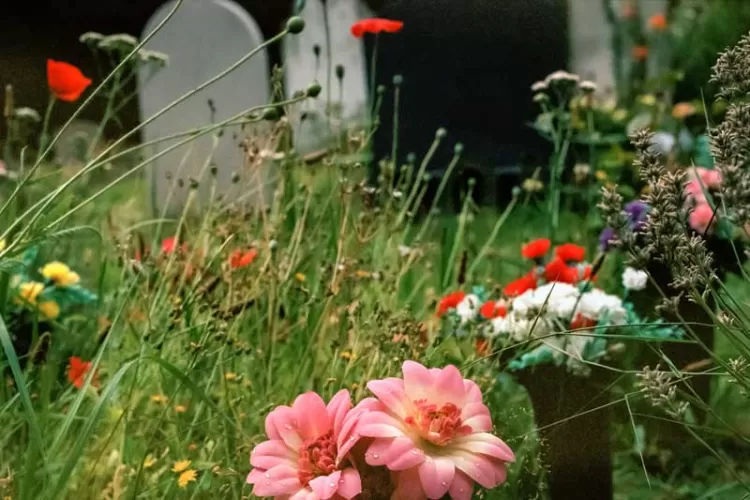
(467, 66)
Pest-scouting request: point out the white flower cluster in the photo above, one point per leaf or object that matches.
(633, 279)
(550, 309)
(468, 308)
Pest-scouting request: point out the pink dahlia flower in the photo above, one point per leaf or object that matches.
(306, 457)
(433, 428)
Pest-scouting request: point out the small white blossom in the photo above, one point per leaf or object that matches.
(539, 86)
(561, 76)
(587, 86)
(404, 251)
(468, 308)
(634, 279)
(398, 194)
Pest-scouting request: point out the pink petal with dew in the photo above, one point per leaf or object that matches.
(391, 393)
(326, 486)
(702, 218)
(477, 416)
(269, 454)
(349, 434)
(462, 487)
(486, 444)
(314, 421)
(436, 476)
(486, 471)
(395, 453)
(281, 480)
(337, 409)
(282, 423)
(379, 424)
(449, 385)
(304, 494)
(694, 189)
(255, 476)
(408, 485)
(419, 383)
(350, 484)
(473, 392)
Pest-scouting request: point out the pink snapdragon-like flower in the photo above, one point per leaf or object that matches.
(306, 456)
(700, 179)
(433, 429)
(702, 218)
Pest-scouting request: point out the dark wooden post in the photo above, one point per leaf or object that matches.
(577, 451)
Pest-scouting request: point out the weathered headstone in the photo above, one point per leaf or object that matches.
(202, 39)
(345, 99)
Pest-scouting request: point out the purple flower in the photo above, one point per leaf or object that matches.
(637, 212)
(606, 239)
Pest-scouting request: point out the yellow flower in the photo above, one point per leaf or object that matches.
(186, 478)
(619, 115)
(2, 245)
(60, 274)
(230, 376)
(49, 309)
(601, 175)
(362, 274)
(29, 291)
(347, 355)
(647, 99)
(180, 408)
(300, 277)
(181, 465)
(149, 461)
(158, 398)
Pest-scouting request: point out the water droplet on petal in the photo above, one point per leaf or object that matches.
(331, 485)
(268, 474)
(444, 483)
(287, 427)
(375, 455)
(415, 452)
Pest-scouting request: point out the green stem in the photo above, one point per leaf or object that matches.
(108, 113)
(45, 125)
(329, 63)
(394, 141)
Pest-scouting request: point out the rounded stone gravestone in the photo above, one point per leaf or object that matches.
(202, 39)
(306, 59)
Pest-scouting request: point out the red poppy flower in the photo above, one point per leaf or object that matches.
(375, 26)
(640, 53)
(449, 302)
(658, 22)
(580, 322)
(570, 252)
(169, 245)
(536, 249)
(491, 310)
(77, 371)
(482, 346)
(520, 286)
(242, 259)
(588, 274)
(66, 81)
(558, 270)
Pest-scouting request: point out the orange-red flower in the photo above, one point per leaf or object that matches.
(491, 309)
(449, 302)
(77, 371)
(169, 245)
(482, 346)
(570, 252)
(658, 22)
(558, 270)
(580, 322)
(66, 81)
(640, 53)
(242, 259)
(520, 285)
(536, 249)
(375, 26)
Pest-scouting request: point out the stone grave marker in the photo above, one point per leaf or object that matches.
(203, 38)
(348, 96)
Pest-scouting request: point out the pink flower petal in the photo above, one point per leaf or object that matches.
(462, 487)
(269, 454)
(449, 385)
(486, 444)
(418, 381)
(436, 476)
(395, 453)
(326, 486)
(379, 424)
(283, 423)
(477, 416)
(349, 434)
(255, 476)
(304, 494)
(314, 422)
(337, 409)
(350, 484)
(281, 480)
(482, 469)
(391, 393)
(473, 392)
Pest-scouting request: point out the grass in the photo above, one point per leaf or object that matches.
(192, 358)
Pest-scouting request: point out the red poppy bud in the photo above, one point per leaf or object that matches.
(375, 26)
(570, 252)
(66, 81)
